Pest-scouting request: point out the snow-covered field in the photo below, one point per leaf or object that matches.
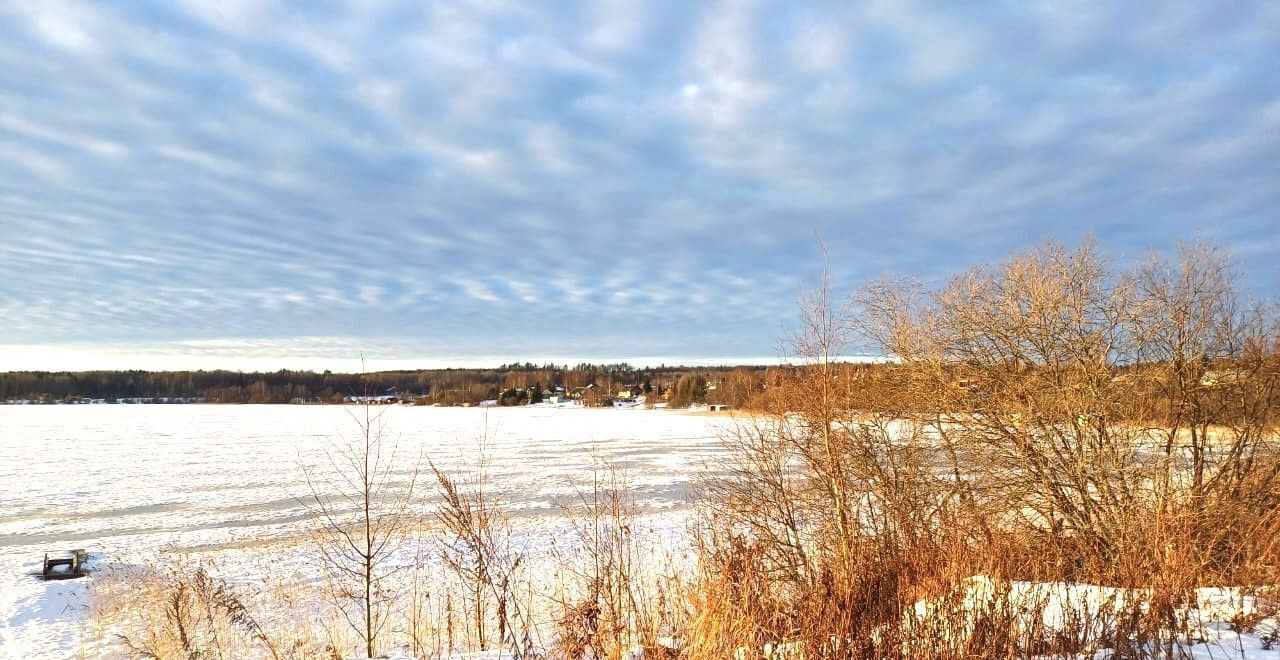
(134, 483)
(139, 485)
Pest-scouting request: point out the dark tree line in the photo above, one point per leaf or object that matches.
(511, 384)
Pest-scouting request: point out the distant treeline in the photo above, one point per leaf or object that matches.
(510, 384)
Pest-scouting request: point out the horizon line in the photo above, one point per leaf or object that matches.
(432, 364)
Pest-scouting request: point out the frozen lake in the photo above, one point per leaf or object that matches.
(127, 480)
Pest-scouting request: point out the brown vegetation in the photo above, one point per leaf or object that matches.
(1057, 457)
(1046, 420)
(189, 614)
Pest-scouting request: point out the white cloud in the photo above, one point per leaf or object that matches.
(64, 25)
(462, 169)
(479, 291)
(722, 59)
(209, 162)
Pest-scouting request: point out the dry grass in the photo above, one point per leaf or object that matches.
(1005, 442)
(186, 613)
(1061, 460)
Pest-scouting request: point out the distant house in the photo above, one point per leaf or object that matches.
(579, 392)
(1214, 378)
(381, 399)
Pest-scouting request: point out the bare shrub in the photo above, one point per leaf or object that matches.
(616, 597)
(1049, 419)
(1101, 410)
(478, 549)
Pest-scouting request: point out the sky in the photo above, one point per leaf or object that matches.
(262, 185)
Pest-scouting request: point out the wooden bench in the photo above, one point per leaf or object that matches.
(66, 566)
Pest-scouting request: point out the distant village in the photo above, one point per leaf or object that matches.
(546, 386)
(628, 396)
(588, 396)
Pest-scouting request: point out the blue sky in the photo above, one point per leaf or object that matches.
(255, 185)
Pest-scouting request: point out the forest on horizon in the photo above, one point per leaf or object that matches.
(511, 384)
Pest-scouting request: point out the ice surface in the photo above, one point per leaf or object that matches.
(135, 483)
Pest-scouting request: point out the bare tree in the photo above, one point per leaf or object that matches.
(362, 498)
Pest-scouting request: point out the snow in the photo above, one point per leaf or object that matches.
(1087, 611)
(141, 485)
(137, 485)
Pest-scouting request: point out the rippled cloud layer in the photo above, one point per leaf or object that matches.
(608, 179)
